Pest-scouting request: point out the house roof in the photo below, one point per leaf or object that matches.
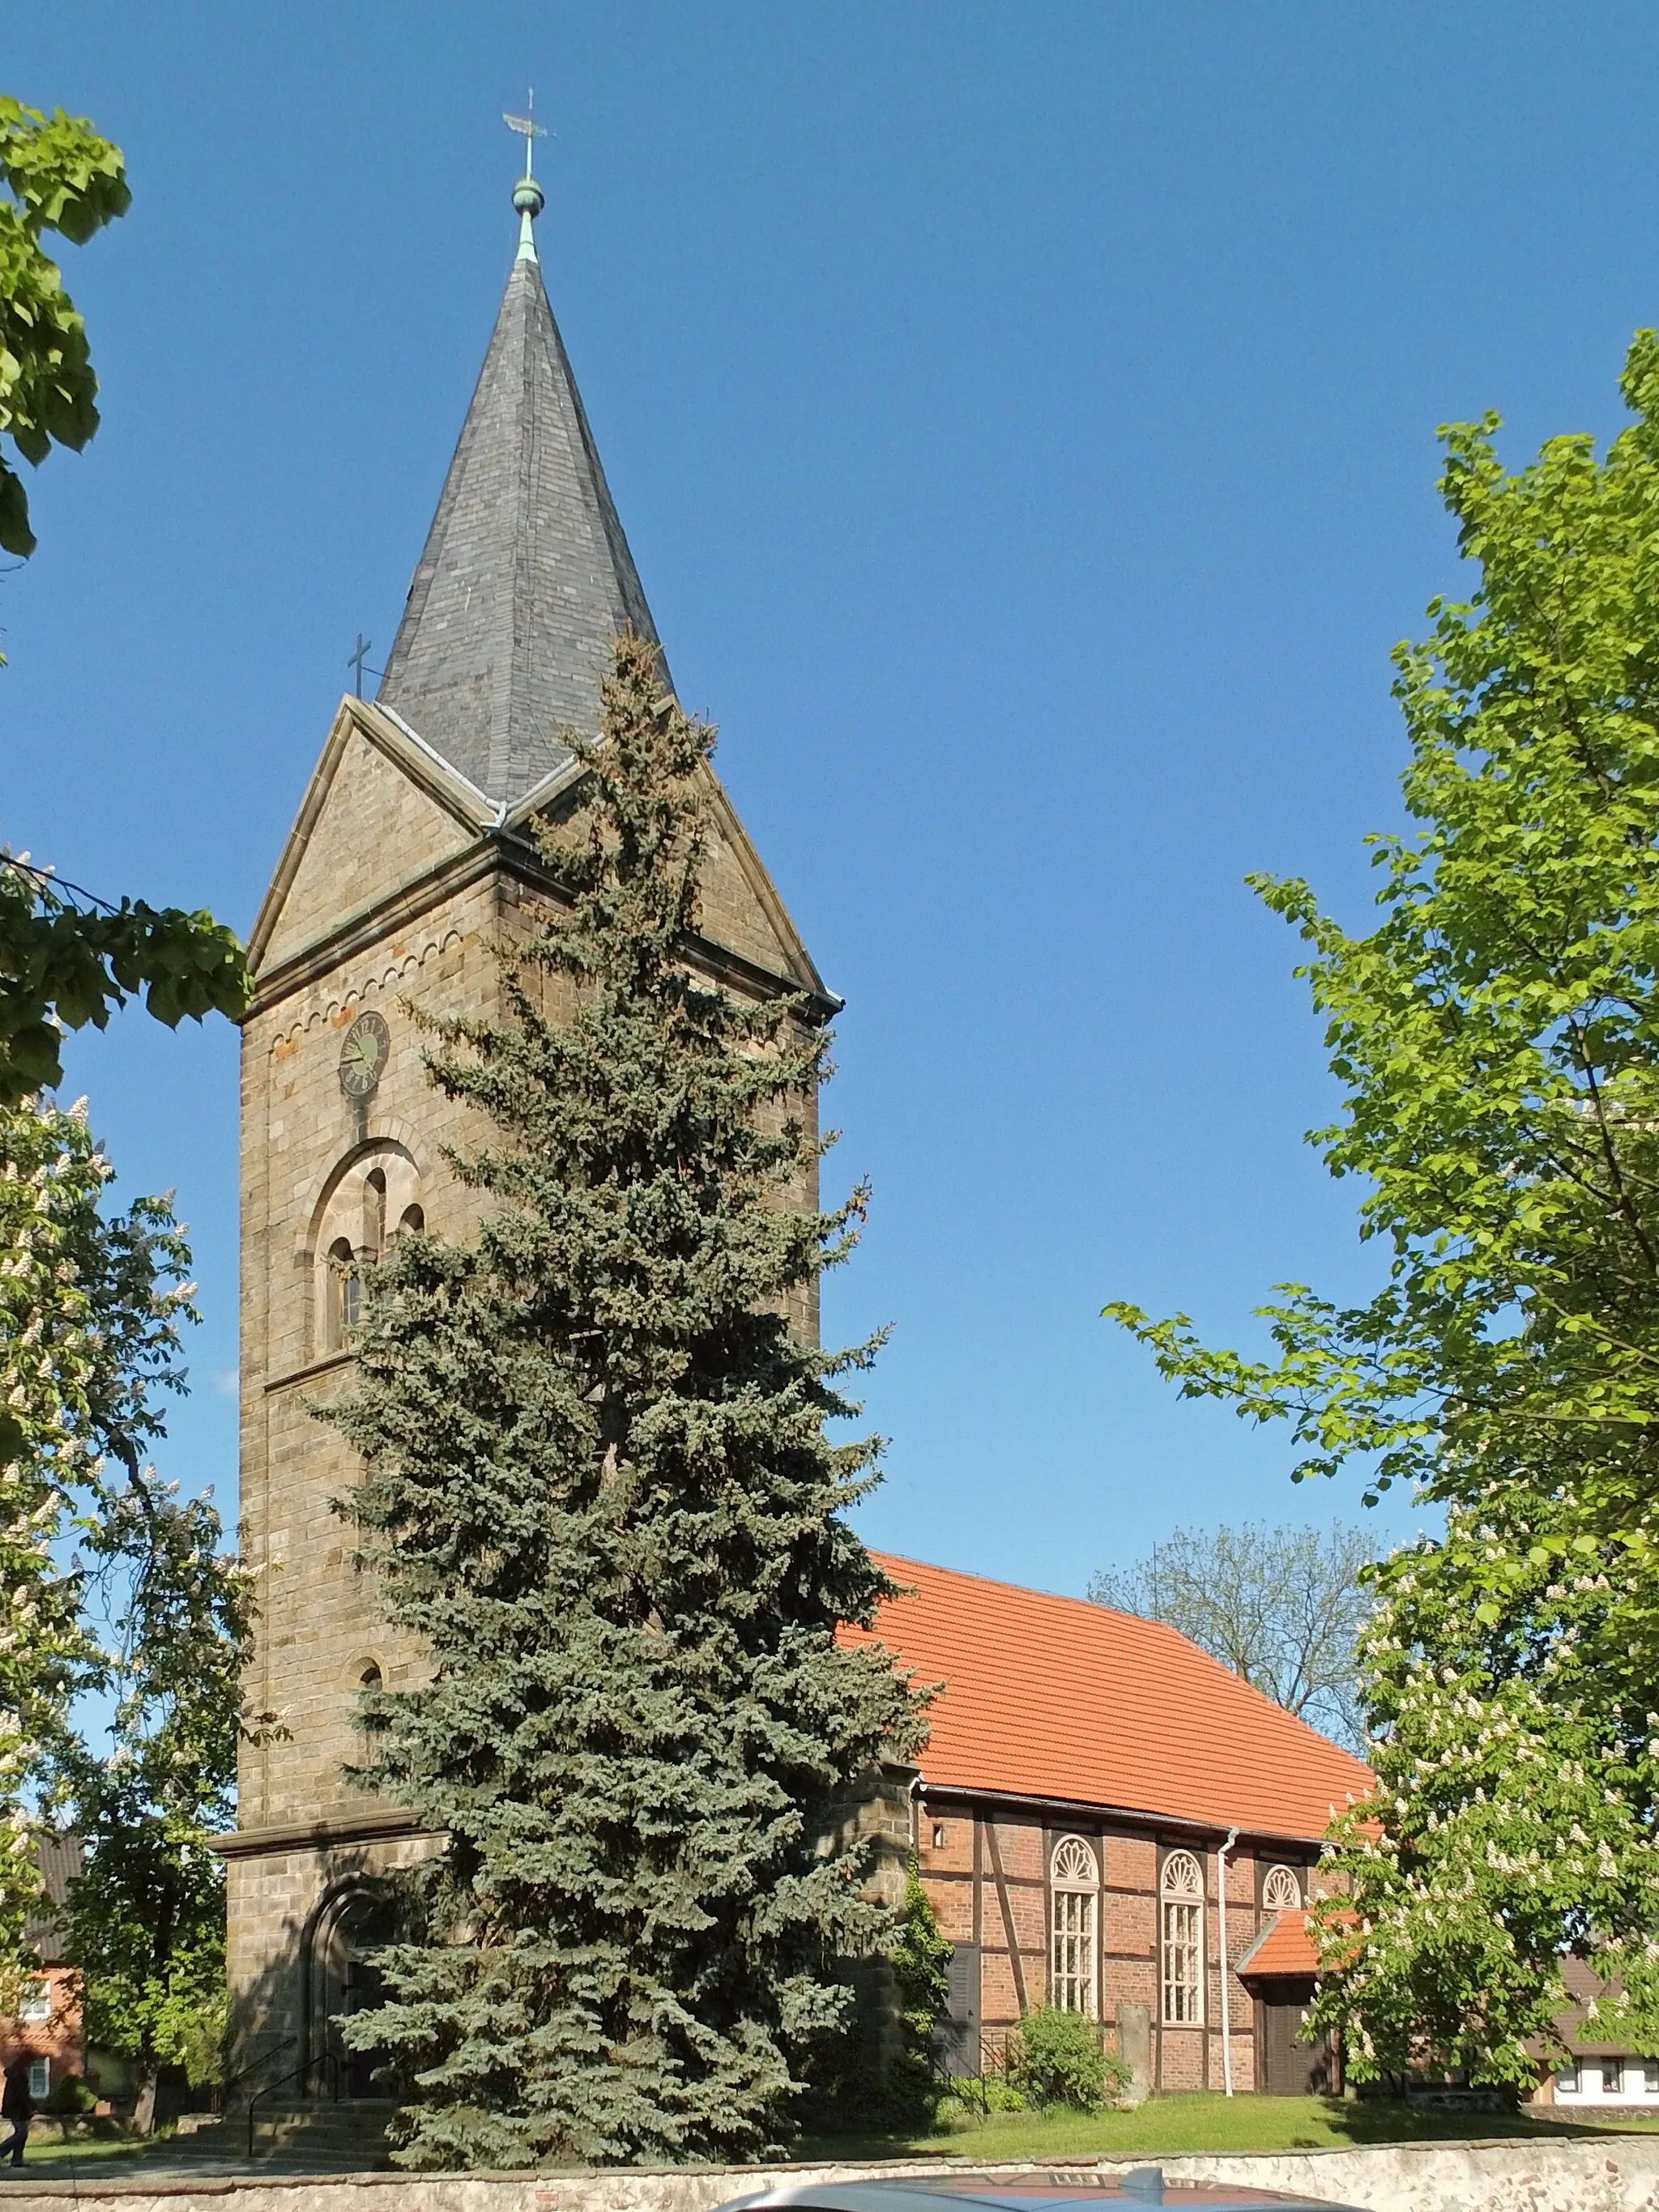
(1055, 1696)
(59, 1858)
(1286, 1946)
(1584, 2034)
(526, 576)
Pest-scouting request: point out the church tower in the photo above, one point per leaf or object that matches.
(410, 856)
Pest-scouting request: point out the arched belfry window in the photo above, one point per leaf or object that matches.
(1074, 1880)
(1181, 1889)
(345, 1294)
(371, 1200)
(1281, 1892)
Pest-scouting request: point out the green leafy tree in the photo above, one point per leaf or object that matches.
(146, 1916)
(66, 959)
(1283, 1608)
(1496, 1038)
(89, 1310)
(599, 1490)
(145, 1616)
(60, 175)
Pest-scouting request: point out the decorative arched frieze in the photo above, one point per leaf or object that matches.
(365, 990)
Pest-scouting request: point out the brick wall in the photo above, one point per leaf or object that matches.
(57, 2038)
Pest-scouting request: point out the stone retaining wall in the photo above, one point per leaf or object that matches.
(1604, 2173)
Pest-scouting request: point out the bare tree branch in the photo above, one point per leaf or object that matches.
(1281, 1607)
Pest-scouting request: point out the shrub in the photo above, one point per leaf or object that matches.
(1055, 2057)
(71, 2095)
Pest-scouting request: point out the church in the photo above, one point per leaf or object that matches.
(1105, 1818)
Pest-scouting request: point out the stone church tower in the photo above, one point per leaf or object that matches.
(410, 856)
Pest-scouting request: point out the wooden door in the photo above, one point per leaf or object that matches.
(956, 2033)
(1286, 2066)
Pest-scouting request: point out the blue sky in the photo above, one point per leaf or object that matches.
(1023, 418)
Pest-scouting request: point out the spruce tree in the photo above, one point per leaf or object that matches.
(598, 1487)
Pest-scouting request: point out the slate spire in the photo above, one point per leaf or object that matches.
(526, 576)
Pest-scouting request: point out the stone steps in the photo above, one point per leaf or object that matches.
(317, 2135)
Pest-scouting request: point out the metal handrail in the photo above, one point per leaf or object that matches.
(301, 2074)
(254, 2064)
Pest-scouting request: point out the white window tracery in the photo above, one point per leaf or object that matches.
(1182, 1931)
(1281, 1890)
(1074, 1880)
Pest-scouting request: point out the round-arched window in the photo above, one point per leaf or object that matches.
(371, 1199)
(346, 1294)
(1182, 1875)
(1183, 1932)
(1074, 1877)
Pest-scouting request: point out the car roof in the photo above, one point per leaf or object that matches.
(1013, 2192)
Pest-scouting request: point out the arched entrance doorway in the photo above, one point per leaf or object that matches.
(349, 1927)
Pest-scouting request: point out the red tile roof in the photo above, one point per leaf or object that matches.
(1284, 1946)
(1054, 1697)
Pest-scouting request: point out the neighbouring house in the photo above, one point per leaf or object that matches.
(47, 2028)
(1603, 2070)
(1102, 1814)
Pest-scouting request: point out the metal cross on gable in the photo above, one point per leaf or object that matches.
(355, 659)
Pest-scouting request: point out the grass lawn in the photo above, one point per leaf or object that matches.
(1163, 2127)
(1205, 2122)
(40, 2153)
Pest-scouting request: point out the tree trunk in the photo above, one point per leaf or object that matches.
(143, 2110)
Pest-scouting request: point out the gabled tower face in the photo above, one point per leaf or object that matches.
(410, 858)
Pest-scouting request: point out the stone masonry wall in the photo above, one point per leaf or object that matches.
(1616, 2174)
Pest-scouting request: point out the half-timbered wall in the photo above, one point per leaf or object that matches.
(987, 1870)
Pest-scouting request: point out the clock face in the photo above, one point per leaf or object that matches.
(363, 1055)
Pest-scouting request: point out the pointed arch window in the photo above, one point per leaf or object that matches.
(1281, 1892)
(1074, 1880)
(1182, 1930)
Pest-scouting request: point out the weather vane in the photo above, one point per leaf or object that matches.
(527, 128)
(527, 195)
